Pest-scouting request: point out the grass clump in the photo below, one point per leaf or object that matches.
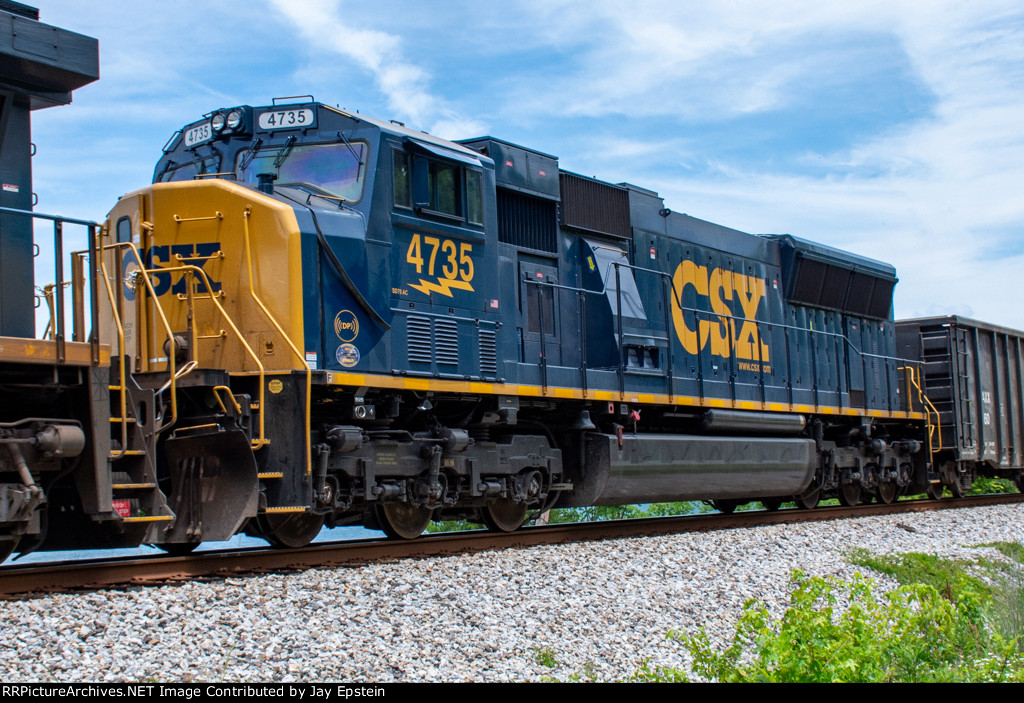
(545, 656)
(950, 620)
(846, 631)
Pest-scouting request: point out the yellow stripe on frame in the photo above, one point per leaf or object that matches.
(335, 378)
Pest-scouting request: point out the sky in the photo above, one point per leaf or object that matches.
(893, 129)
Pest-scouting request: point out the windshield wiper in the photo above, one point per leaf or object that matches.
(250, 154)
(355, 155)
(283, 153)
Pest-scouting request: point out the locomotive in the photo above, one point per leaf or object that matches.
(313, 317)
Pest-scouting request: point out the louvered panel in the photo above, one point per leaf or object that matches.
(446, 341)
(595, 206)
(488, 353)
(418, 340)
(527, 221)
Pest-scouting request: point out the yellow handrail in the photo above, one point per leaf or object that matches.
(295, 350)
(231, 397)
(913, 379)
(123, 387)
(120, 331)
(262, 441)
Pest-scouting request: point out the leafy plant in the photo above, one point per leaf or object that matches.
(984, 485)
(989, 589)
(545, 656)
(452, 526)
(912, 634)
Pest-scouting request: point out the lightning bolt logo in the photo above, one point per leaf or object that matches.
(443, 286)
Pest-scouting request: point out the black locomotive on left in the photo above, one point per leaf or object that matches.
(315, 317)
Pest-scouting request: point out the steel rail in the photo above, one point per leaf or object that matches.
(20, 581)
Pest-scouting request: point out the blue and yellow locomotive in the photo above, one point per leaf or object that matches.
(315, 317)
(359, 322)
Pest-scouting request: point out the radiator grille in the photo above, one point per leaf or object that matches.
(488, 353)
(446, 341)
(419, 346)
(594, 206)
(527, 221)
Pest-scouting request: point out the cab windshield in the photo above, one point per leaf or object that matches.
(334, 168)
(189, 171)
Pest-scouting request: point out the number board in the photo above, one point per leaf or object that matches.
(199, 133)
(287, 118)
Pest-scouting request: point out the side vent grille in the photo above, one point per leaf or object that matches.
(488, 353)
(527, 221)
(419, 346)
(594, 206)
(446, 341)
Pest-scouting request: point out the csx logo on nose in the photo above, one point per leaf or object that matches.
(346, 326)
(725, 335)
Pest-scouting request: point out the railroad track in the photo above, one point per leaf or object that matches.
(21, 581)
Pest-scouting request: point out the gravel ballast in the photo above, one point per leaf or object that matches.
(599, 607)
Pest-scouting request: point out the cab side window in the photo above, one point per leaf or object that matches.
(403, 180)
(444, 184)
(437, 188)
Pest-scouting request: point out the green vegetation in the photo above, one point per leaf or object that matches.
(594, 514)
(452, 526)
(545, 656)
(991, 590)
(984, 484)
(950, 620)
(912, 634)
(624, 512)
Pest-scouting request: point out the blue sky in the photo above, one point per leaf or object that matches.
(893, 129)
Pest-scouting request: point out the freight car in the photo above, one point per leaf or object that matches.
(974, 375)
(316, 317)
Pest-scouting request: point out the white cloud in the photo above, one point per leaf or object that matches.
(324, 25)
(937, 195)
(622, 92)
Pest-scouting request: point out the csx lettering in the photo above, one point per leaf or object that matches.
(159, 257)
(726, 290)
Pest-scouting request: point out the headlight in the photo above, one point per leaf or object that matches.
(234, 119)
(217, 122)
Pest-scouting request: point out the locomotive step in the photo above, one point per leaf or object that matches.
(132, 486)
(149, 518)
(117, 454)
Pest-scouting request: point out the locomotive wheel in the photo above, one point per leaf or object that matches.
(726, 507)
(403, 521)
(289, 529)
(957, 488)
(179, 549)
(849, 494)
(935, 491)
(809, 499)
(771, 504)
(887, 492)
(8, 543)
(504, 515)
